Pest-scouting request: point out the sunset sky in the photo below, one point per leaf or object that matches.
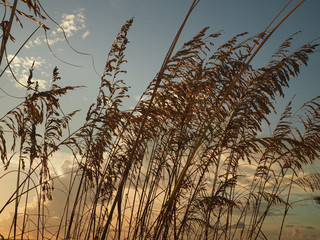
(91, 26)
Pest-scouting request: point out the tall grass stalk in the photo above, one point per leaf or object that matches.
(189, 162)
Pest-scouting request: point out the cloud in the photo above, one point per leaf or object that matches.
(70, 23)
(54, 208)
(296, 233)
(304, 227)
(238, 226)
(309, 227)
(21, 65)
(85, 34)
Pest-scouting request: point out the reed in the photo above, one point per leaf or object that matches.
(188, 162)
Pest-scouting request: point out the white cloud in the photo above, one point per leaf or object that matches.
(85, 34)
(71, 24)
(37, 41)
(21, 65)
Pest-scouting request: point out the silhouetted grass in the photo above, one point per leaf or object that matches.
(187, 163)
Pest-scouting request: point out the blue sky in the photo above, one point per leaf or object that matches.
(92, 25)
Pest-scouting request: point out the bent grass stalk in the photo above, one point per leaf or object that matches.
(173, 167)
(159, 77)
(204, 131)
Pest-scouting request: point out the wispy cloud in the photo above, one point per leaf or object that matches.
(85, 34)
(70, 23)
(21, 65)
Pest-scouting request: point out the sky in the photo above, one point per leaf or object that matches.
(91, 27)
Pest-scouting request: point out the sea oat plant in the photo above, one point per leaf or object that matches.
(176, 166)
